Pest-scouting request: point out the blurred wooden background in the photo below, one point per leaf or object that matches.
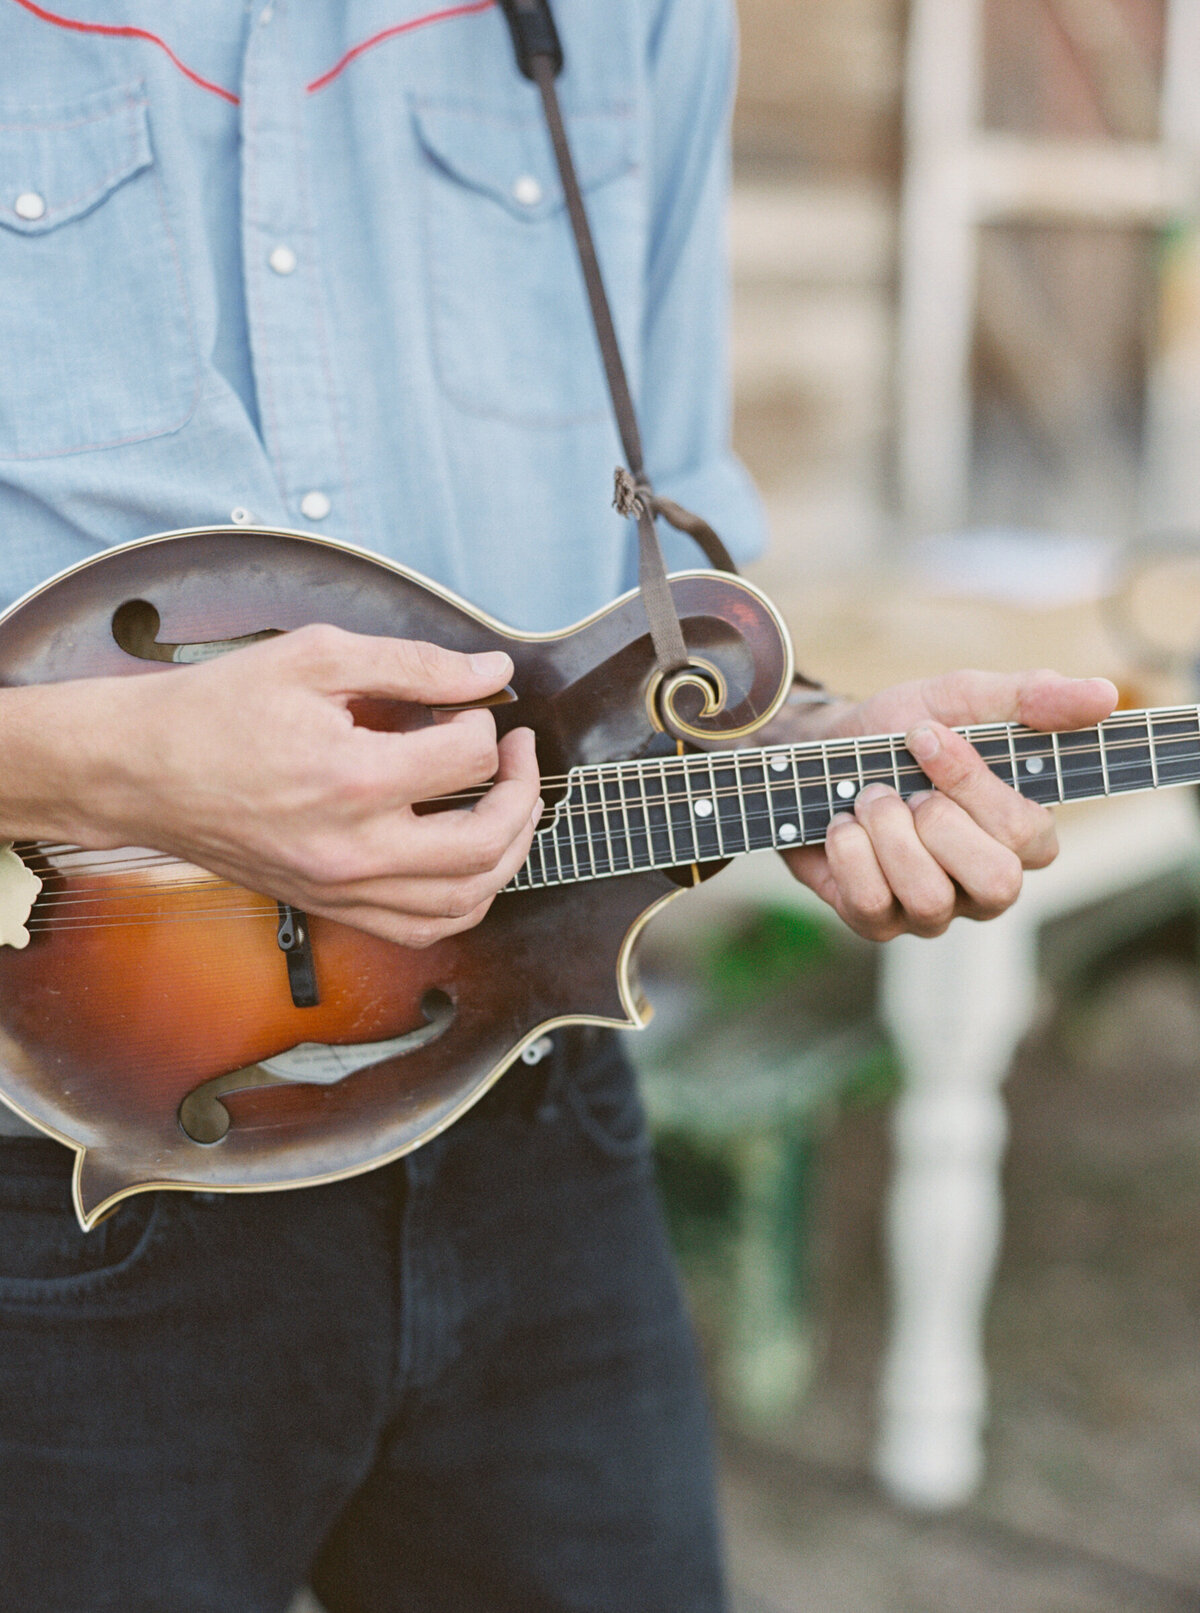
(1068, 313)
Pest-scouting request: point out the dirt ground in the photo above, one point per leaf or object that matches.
(1092, 1501)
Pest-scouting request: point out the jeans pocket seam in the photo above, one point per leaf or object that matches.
(89, 1284)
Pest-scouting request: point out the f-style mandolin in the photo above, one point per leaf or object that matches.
(178, 1031)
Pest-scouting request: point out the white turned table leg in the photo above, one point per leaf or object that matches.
(956, 1008)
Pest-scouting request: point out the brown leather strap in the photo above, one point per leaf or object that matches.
(634, 496)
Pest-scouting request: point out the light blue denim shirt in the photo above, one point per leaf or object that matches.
(308, 260)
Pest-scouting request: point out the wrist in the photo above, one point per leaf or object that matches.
(67, 750)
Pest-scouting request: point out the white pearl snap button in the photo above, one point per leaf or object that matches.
(315, 506)
(527, 191)
(282, 260)
(29, 205)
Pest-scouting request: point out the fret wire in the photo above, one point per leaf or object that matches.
(568, 818)
(682, 800)
(557, 819)
(716, 805)
(1058, 773)
(598, 838)
(1133, 767)
(691, 803)
(646, 817)
(799, 788)
(828, 781)
(608, 839)
(624, 808)
(652, 769)
(741, 796)
(615, 804)
(662, 775)
(1012, 753)
(1125, 721)
(769, 795)
(1102, 758)
(588, 847)
(765, 817)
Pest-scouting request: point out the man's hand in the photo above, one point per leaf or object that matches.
(892, 867)
(252, 766)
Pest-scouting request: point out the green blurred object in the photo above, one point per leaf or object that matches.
(757, 1036)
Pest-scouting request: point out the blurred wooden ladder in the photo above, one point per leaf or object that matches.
(958, 178)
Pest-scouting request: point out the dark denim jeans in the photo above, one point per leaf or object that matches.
(464, 1382)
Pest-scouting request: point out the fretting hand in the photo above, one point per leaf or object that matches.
(892, 867)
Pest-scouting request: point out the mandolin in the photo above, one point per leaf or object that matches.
(178, 1031)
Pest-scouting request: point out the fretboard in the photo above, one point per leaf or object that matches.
(666, 812)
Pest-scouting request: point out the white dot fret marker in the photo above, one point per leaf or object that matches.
(703, 808)
(845, 789)
(788, 831)
(779, 764)
(1034, 764)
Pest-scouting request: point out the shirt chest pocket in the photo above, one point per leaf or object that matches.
(96, 344)
(510, 326)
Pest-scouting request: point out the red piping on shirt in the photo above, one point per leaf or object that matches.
(390, 33)
(126, 31)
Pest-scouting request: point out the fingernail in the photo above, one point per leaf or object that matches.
(491, 664)
(873, 792)
(924, 744)
(538, 807)
(839, 817)
(921, 795)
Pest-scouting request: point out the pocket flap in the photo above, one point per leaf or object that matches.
(509, 157)
(57, 165)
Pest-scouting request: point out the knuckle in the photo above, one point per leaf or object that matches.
(931, 909)
(465, 895)
(935, 811)
(878, 930)
(331, 864)
(485, 747)
(317, 643)
(874, 908)
(1004, 886)
(1039, 850)
(491, 845)
(427, 660)
(422, 933)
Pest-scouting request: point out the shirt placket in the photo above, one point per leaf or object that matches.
(301, 414)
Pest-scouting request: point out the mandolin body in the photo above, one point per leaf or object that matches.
(146, 983)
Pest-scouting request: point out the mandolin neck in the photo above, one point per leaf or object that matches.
(667, 812)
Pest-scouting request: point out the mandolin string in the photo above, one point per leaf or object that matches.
(838, 750)
(701, 763)
(571, 810)
(644, 771)
(226, 908)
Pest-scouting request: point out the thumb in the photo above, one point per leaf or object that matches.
(397, 669)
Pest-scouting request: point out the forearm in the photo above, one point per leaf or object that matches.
(61, 750)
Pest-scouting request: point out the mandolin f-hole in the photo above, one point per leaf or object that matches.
(135, 626)
(203, 1118)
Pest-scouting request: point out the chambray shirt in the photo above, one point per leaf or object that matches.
(306, 263)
